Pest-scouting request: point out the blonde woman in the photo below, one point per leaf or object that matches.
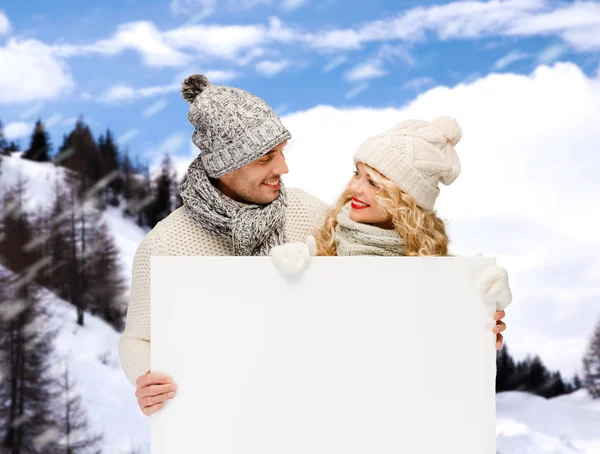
(387, 208)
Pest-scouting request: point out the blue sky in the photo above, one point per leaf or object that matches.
(119, 63)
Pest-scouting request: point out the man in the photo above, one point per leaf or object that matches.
(234, 203)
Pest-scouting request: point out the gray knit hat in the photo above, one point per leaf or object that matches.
(231, 126)
(416, 155)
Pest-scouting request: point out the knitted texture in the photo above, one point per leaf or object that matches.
(232, 127)
(416, 155)
(354, 238)
(179, 234)
(253, 229)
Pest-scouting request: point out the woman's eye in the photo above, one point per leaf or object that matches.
(372, 183)
(355, 173)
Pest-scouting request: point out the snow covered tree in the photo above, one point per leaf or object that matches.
(27, 388)
(71, 418)
(591, 365)
(39, 147)
(15, 243)
(106, 287)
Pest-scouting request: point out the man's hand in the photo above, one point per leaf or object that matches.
(500, 326)
(153, 389)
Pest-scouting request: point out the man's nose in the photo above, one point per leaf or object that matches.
(281, 167)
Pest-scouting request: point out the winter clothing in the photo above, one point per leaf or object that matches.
(416, 155)
(355, 238)
(253, 229)
(232, 127)
(180, 234)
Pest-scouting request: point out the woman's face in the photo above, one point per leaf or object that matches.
(364, 208)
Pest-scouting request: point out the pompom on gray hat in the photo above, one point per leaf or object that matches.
(416, 155)
(231, 126)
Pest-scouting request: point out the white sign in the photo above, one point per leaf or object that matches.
(356, 355)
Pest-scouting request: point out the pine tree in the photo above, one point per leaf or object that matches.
(11, 148)
(64, 151)
(127, 175)
(109, 166)
(505, 369)
(58, 242)
(163, 200)
(83, 158)
(591, 365)
(39, 147)
(106, 286)
(72, 421)
(3, 142)
(28, 388)
(15, 251)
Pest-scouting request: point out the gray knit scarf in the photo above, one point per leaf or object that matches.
(353, 238)
(253, 229)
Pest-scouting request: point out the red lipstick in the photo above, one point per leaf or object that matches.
(355, 203)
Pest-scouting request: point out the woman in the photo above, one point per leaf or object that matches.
(388, 206)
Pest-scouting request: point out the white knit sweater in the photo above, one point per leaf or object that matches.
(178, 234)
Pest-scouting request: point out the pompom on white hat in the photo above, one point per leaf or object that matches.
(416, 155)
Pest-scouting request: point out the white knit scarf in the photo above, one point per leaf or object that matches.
(253, 229)
(353, 238)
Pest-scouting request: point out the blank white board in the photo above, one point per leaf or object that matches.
(355, 355)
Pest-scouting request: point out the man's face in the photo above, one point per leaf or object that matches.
(257, 182)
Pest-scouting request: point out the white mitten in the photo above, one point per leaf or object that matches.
(293, 258)
(493, 283)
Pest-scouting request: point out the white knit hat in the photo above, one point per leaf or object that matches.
(416, 155)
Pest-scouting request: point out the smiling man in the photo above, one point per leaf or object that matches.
(234, 203)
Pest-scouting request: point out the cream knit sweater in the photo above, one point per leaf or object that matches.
(178, 234)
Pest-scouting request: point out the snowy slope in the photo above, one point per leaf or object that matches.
(528, 424)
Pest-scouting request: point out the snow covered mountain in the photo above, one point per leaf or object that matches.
(525, 423)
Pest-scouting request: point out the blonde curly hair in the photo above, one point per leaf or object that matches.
(423, 231)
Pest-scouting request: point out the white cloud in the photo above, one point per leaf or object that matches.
(578, 24)
(418, 83)
(154, 108)
(142, 36)
(4, 23)
(17, 130)
(127, 136)
(215, 40)
(270, 68)
(221, 76)
(354, 92)
(119, 93)
(290, 5)
(338, 61)
(510, 58)
(200, 8)
(365, 71)
(524, 196)
(53, 120)
(23, 82)
(236, 5)
(32, 111)
(551, 53)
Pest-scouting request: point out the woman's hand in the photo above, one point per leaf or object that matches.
(153, 389)
(500, 326)
(293, 258)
